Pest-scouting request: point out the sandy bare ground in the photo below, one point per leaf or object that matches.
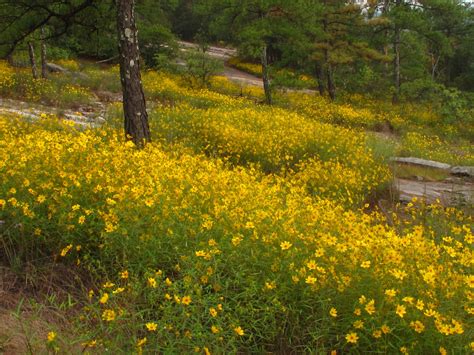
(87, 117)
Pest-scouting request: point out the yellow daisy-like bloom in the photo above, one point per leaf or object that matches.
(186, 300)
(152, 282)
(390, 293)
(385, 329)
(151, 326)
(365, 264)
(377, 334)
(104, 298)
(215, 329)
(51, 336)
(417, 326)
(239, 331)
(285, 245)
(108, 315)
(352, 338)
(333, 312)
(141, 342)
(420, 304)
(66, 250)
(310, 280)
(370, 307)
(124, 274)
(401, 310)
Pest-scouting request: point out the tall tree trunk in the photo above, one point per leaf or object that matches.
(396, 59)
(327, 64)
(396, 66)
(44, 68)
(31, 51)
(134, 105)
(330, 79)
(385, 9)
(320, 79)
(329, 76)
(266, 77)
(10, 60)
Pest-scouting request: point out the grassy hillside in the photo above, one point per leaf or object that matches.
(241, 228)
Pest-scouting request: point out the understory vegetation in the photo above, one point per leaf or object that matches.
(242, 227)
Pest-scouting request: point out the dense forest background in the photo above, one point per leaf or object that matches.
(404, 50)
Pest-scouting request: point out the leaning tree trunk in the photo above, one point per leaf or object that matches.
(31, 51)
(44, 68)
(134, 105)
(266, 76)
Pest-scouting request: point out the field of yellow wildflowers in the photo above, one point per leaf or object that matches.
(240, 229)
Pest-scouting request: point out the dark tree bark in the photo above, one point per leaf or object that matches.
(31, 52)
(266, 76)
(134, 105)
(10, 60)
(329, 74)
(44, 68)
(330, 79)
(320, 79)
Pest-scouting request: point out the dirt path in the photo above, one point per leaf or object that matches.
(225, 54)
(241, 77)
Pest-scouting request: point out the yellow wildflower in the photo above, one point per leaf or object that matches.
(401, 311)
(152, 282)
(352, 338)
(104, 298)
(108, 315)
(239, 331)
(151, 326)
(186, 300)
(51, 336)
(285, 245)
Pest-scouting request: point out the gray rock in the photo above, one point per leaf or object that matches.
(422, 162)
(463, 170)
(449, 194)
(54, 68)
